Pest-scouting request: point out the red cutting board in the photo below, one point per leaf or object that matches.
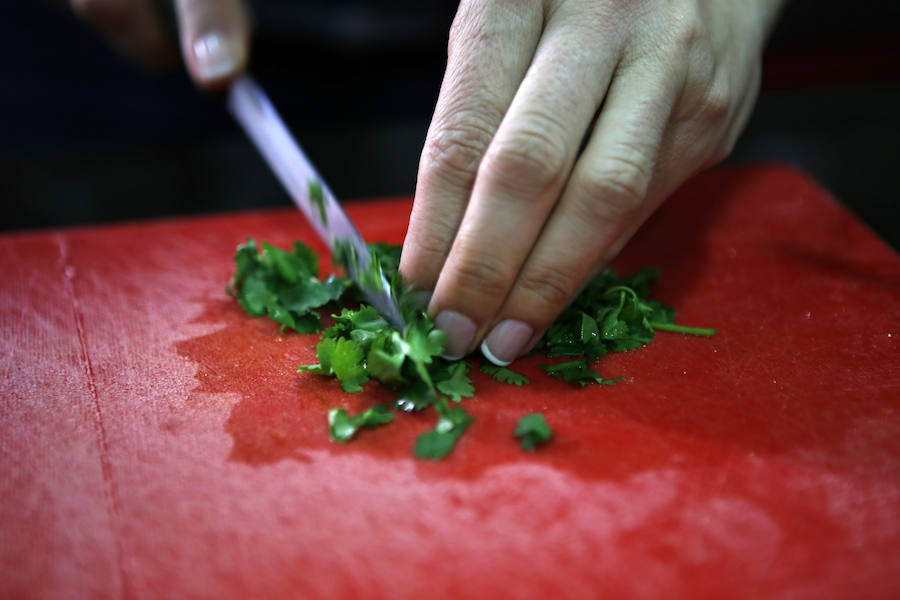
(155, 442)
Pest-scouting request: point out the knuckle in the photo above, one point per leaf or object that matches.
(532, 157)
(688, 31)
(546, 288)
(430, 247)
(617, 188)
(484, 275)
(716, 107)
(455, 149)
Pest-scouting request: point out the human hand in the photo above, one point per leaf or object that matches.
(214, 34)
(510, 219)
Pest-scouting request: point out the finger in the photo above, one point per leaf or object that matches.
(214, 39)
(608, 195)
(491, 46)
(134, 28)
(522, 174)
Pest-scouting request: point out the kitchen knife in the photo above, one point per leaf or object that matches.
(253, 110)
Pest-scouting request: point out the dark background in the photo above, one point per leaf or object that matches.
(87, 137)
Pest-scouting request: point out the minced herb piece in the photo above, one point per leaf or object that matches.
(533, 431)
(343, 427)
(504, 374)
(317, 198)
(612, 314)
(343, 359)
(577, 372)
(438, 442)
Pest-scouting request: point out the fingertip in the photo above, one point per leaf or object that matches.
(217, 58)
(507, 341)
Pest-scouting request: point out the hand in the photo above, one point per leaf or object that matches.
(214, 34)
(510, 219)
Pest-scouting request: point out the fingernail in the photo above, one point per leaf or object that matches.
(460, 331)
(217, 55)
(506, 341)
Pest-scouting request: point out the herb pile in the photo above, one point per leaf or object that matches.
(611, 314)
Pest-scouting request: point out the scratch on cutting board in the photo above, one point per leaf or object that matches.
(112, 492)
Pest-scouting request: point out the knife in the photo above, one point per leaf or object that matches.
(252, 109)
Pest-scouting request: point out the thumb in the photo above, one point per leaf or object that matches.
(214, 39)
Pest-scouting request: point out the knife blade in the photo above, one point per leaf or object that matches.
(255, 113)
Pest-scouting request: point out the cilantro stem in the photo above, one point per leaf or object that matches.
(682, 329)
(624, 288)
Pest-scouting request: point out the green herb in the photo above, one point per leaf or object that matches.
(438, 442)
(504, 374)
(457, 384)
(343, 427)
(283, 285)
(317, 197)
(533, 431)
(577, 372)
(612, 314)
(341, 358)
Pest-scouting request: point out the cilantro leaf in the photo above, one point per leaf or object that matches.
(504, 374)
(341, 358)
(438, 442)
(578, 373)
(533, 430)
(343, 427)
(457, 385)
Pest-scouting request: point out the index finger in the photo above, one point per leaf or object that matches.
(214, 39)
(491, 45)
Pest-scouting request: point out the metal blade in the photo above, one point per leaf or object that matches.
(252, 109)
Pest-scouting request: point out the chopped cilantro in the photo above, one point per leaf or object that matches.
(612, 314)
(438, 442)
(341, 358)
(533, 430)
(283, 285)
(343, 427)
